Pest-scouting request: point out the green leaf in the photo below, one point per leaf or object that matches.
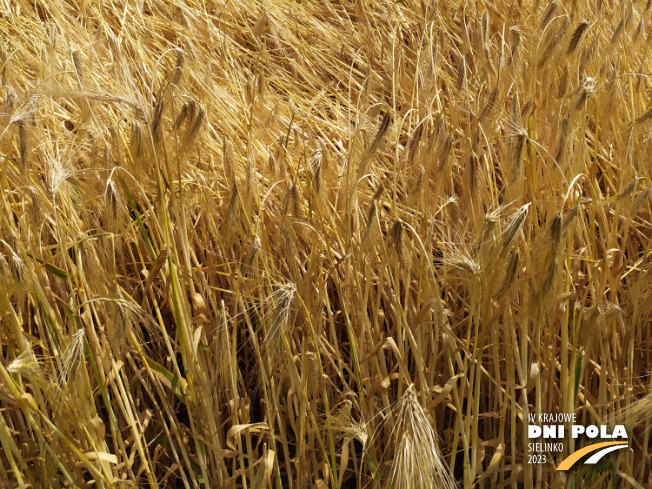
(578, 373)
(168, 379)
(51, 268)
(56, 271)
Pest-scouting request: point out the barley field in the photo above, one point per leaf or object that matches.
(327, 244)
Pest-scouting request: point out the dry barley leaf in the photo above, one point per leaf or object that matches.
(269, 464)
(236, 429)
(534, 374)
(263, 475)
(426, 308)
(516, 477)
(153, 271)
(630, 480)
(87, 318)
(392, 344)
(104, 456)
(385, 383)
(220, 452)
(495, 461)
(29, 399)
(443, 395)
(196, 339)
(344, 462)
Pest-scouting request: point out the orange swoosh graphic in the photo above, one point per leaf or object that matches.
(571, 459)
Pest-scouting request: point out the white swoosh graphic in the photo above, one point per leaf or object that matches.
(601, 453)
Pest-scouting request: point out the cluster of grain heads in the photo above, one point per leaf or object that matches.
(27, 365)
(417, 461)
(115, 208)
(231, 238)
(281, 300)
(342, 421)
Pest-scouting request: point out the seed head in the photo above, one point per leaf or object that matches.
(417, 461)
